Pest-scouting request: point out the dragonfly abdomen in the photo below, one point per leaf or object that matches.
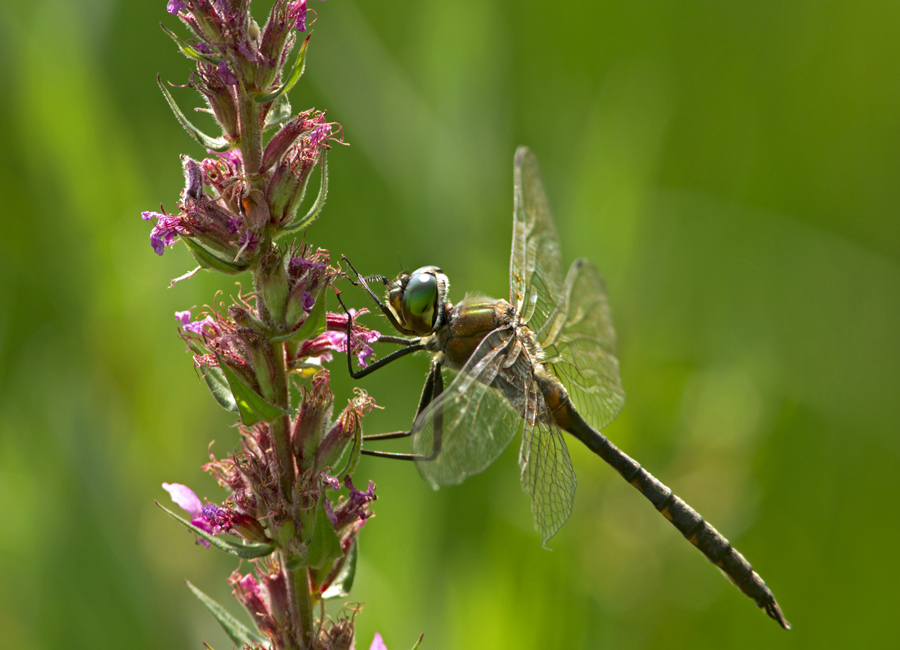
(688, 521)
(706, 538)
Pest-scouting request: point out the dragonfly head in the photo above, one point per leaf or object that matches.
(418, 300)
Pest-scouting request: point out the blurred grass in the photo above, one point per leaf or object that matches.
(732, 169)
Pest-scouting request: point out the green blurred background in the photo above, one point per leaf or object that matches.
(732, 168)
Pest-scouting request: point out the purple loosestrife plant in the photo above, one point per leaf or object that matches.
(292, 510)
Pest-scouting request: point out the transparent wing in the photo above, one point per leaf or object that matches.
(473, 421)
(547, 473)
(535, 269)
(580, 345)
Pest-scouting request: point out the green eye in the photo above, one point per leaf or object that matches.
(421, 295)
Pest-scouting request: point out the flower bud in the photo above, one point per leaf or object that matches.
(275, 585)
(220, 98)
(272, 284)
(247, 592)
(304, 123)
(263, 363)
(248, 528)
(345, 431)
(313, 413)
(306, 274)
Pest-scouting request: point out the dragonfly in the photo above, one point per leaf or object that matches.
(540, 364)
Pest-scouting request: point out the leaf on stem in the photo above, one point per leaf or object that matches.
(209, 260)
(218, 386)
(189, 50)
(312, 326)
(342, 584)
(324, 545)
(216, 144)
(251, 405)
(239, 633)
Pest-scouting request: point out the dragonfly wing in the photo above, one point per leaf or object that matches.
(547, 472)
(535, 267)
(580, 344)
(472, 421)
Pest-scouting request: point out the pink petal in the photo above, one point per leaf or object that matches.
(184, 497)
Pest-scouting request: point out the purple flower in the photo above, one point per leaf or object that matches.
(184, 498)
(305, 264)
(226, 75)
(248, 239)
(213, 519)
(330, 481)
(164, 232)
(358, 500)
(297, 10)
(231, 156)
(197, 326)
(308, 301)
(319, 135)
(216, 517)
(377, 643)
(336, 329)
(174, 6)
(354, 511)
(361, 339)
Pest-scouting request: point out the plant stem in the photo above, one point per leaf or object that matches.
(281, 427)
(301, 604)
(251, 138)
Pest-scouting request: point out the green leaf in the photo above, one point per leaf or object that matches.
(216, 144)
(251, 405)
(209, 260)
(419, 642)
(313, 214)
(343, 583)
(245, 551)
(189, 50)
(239, 633)
(324, 545)
(218, 386)
(352, 456)
(296, 73)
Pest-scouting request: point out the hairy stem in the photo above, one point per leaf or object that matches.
(301, 605)
(281, 427)
(251, 138)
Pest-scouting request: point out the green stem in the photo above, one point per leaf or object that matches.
(281, 428)
(301, 605)
(251, 138)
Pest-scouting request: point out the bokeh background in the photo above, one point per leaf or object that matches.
(732, 168)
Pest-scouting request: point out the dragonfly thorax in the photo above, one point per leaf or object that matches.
(418, 300)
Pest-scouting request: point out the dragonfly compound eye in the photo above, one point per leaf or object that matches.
(420, 298)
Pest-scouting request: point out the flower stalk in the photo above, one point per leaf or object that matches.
(292, 510)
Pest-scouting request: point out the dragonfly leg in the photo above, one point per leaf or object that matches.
(387, 311)
(412, 345)
(434, 386)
